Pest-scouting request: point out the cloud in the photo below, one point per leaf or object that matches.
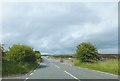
(57, 28)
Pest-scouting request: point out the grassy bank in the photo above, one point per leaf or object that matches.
(110, 66)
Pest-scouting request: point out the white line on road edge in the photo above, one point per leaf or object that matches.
(105, 73)
(100, 72)
(57, 66)
(25, 79)
(34, 70)
(72, 75)
(31, 73)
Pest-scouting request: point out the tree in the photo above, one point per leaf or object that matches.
(21, 53)
(2, 48)
(19, 59)
(2, 52)
(86, 52)
(38, 55)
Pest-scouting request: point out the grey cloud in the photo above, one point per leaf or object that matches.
(58, 28)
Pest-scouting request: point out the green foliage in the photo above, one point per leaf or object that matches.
(1, 50)
(21, 53)
(19, 59)
(12, 67)
(110, 66)
(38, 54)
(2, 53)
(86, 52)
(64, 56)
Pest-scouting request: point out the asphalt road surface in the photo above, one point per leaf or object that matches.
(53, 69)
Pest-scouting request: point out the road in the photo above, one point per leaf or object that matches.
(53, 69)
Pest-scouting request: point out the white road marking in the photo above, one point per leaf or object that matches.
(25, 79)
(105, 73)
(57, 66)
(72, 75)
(31, 73)
(101, 72)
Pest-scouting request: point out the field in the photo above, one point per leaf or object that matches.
(110, 66)
(110, 56)
(109, 63)
(107, 56)
(63, 56)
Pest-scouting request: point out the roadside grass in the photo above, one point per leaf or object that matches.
(109, 66)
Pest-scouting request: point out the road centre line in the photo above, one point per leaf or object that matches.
(56, 66)
(72, 75)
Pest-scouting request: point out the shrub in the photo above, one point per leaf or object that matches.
(19, 59)
(86, 52)
(21, 53)
(38, 54)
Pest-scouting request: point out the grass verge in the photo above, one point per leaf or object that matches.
(109, 66)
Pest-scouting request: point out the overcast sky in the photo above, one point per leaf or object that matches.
(57, 28)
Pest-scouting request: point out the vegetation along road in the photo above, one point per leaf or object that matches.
(53, 69)
(24, 63)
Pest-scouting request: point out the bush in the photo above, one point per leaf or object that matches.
(21, 53)
(19, 59)
(86, 52)
(38, 54)
(11, 67)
